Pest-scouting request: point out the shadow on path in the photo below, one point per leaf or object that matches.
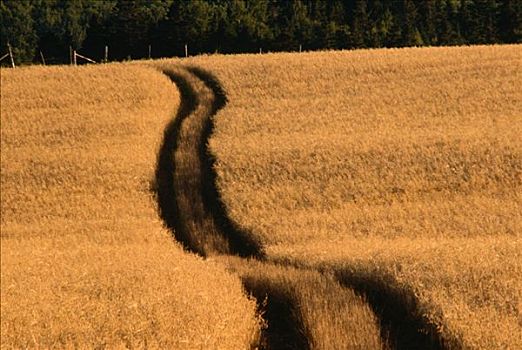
(241, 243)
(398, 312)
(166, 190)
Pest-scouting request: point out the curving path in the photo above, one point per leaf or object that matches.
(191, 207)
(187, 199)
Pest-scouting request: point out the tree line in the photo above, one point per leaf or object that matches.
(161, 28)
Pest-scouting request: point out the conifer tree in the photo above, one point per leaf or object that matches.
(17, 29)
(510, 21)
(360, 24)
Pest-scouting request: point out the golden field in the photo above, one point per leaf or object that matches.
(371, 199)
(399, 171)
(86, 261)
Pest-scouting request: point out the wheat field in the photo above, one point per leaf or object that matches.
(86, 260)
(349, 199)
(399, 171)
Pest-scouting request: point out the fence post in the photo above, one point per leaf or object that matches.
(106, 59)
(300, 47)
(186, 50)
(42, 56)
(11, 54)
(74, 57)
(149, 50)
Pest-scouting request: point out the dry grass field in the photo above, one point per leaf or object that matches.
(365, 200)
(399, 171)
(86, 261)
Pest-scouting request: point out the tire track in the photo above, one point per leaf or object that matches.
(399, 313)
(189, 204)
(182, 179)
(191, 207)
(242, 243)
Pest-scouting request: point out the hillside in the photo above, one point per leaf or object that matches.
(330, 200)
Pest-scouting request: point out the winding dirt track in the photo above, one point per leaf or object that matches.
(190, 205)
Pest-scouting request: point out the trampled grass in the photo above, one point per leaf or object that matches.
(399, 171)
(86, 261)
(305, 309)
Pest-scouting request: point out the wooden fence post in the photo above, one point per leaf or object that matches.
(11, 54)
(186, 50)
(42, 56)
(106, 59)
(74, 57)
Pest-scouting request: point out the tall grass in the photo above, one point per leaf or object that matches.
(86, 261)
(398, 169)
(381, 188)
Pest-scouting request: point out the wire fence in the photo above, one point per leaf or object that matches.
(76, 58)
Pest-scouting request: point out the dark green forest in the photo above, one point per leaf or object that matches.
(161, 28)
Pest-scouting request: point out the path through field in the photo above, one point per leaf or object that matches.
(303, 308)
